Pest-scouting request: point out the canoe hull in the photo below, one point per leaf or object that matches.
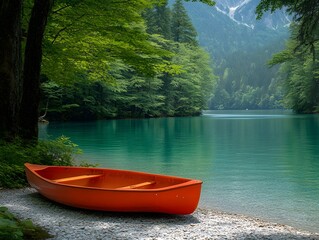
(181, 197)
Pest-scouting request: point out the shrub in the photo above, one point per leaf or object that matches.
(15, 229)
(12, 176)
(60, 151)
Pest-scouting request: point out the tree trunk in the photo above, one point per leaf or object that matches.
(10, 67)
(29, 111)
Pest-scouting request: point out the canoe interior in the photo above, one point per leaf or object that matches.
(107, 178)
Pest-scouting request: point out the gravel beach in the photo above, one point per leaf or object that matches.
(68, 223)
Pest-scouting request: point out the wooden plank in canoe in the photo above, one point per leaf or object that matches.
(138, 185)
(61, 180)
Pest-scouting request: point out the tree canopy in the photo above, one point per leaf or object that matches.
(182, 27)
(89, 35)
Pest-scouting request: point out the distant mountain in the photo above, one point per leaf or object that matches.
(231, 26)
(240, 47)
(243, 12)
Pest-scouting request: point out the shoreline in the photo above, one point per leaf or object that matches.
(70, 223)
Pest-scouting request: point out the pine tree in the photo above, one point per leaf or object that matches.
(182, 29)
(159, 20)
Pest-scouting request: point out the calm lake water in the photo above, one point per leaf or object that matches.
(259, 163)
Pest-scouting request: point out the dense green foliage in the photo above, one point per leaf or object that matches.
(60, 151)
(299, 73)
(84, 38)
(121, 70)
(182, 27)
(299, 69)
(15, 229)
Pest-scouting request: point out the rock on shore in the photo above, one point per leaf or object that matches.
(70, 223)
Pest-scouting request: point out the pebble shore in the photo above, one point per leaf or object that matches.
(67, 223)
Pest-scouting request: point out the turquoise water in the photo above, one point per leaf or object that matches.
(263, 164)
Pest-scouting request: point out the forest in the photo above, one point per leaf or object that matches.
(89, 73)
(252, 85)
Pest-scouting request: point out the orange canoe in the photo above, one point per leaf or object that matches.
(115, 190)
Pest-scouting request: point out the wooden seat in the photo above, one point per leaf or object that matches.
(61, 180)
(138, 185)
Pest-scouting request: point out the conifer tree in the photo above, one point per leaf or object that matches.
(182, 28)
(159, 20)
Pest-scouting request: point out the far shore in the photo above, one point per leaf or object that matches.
(70, 223)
